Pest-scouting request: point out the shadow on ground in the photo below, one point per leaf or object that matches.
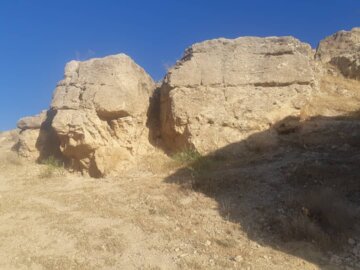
(294, 187)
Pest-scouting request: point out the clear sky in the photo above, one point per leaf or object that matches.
(37, 37)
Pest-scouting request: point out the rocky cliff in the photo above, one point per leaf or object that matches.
(223, 90)
(220, 92)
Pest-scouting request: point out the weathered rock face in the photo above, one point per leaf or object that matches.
(28, 143)
(101, 108)
(223, 90)
(32, 122)
(36, 139)
(220, 92)
(342, 51)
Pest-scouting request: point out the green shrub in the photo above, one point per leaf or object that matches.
(54, 167)
(53, 162)
(187, 156)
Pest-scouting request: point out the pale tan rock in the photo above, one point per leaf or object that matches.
(27, 144)
(342, 51)
(39, 144)
(32, 122)
(101, 113)
(223, 90)
(33, 135)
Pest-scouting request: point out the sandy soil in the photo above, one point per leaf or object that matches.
(139, 220)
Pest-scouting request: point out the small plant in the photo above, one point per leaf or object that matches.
(53, 162)
(187, 156)
(226, 207)
(54, 167)
(194, 160)
(200, 169)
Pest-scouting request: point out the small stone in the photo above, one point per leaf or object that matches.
(335, 259)
(238, 258)
(356, 250)
(345, 147)
(351, 242)
(207, 243)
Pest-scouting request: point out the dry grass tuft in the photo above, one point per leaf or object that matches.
(53, 167)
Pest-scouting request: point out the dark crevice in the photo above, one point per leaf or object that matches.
(279, 53)
(110, 116)
(48, 142)
(153, 121)
(278, 84)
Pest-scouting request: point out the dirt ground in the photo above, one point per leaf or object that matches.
(142, 219)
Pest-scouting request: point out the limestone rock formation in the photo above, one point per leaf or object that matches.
(223, 90)
(101, 112)
(32, 122)
(28, 143)
(36, 139)
(342, 51)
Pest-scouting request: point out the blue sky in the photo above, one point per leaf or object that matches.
(37, 37)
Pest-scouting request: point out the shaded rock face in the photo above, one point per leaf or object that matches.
(37, 139)
(28, 136)
(101, 108)
(223, 90)
(342, 51)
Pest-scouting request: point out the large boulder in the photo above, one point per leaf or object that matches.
(27, 144)
(101, 110)
(342, 52)
(223, 90)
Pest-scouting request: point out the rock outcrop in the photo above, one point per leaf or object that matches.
(32, 122)
(101, 111)
(28, 144)
(223, 90)
(37, 139)
(342, 52)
